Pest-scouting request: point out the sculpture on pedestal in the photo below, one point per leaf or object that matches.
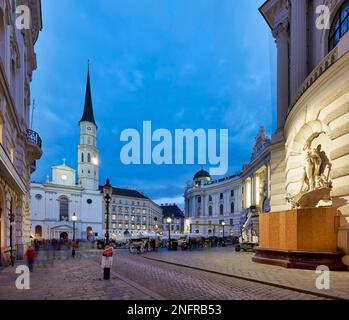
(315, 183)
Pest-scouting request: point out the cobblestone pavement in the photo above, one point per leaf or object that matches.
(133, 278)
(178, 283)
(227, 261)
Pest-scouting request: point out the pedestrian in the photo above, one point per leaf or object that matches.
(30, 255)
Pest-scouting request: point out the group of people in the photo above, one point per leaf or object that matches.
(49, 249)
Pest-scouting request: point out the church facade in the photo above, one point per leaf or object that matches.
(54, 202)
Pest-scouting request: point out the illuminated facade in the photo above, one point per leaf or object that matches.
(209, 203)
(54, 202)
(132, 214)
(20, 146)
(312, 99)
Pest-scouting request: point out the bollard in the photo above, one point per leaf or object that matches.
(107, 261)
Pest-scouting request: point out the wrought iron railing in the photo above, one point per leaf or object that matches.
(33, 137)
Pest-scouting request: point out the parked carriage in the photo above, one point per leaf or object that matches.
(139, 245)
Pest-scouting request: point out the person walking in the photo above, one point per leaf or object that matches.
(30, 255)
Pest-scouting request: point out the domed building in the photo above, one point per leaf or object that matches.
(210, 203)
(202, 177)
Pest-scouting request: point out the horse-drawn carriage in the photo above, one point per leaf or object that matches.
(139, 245)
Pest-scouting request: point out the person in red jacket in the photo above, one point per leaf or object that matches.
(30, 255)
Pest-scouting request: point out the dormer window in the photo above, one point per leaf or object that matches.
(340, 26)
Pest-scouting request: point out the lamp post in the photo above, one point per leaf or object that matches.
(108, 192)
(223, 241)
(169, 221)
(12, 220)
(74, 218)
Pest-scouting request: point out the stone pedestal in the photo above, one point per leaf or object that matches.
(304, 239)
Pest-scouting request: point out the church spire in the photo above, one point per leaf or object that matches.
(88, 115)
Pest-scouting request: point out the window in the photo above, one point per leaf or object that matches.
(199, 199)
(232, 207)
(12, 154)
(232, 193)
(64, 209)
(82, 157)
(232, 222)
(210, 198)
(221, 196)
(221, 210)
(89, 158)
(340, 26)
(210, 211)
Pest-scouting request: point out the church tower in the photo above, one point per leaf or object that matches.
(88, 155)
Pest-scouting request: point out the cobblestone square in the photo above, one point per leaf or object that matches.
(140, 277)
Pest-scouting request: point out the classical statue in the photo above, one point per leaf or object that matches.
(315, 182)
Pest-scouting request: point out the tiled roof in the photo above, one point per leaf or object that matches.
(172, 211)
(127, 193)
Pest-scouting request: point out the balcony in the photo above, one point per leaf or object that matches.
(34, 147)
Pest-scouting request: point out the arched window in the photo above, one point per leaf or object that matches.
(89, 158)
(232, 207)
(340, 26)
(82, 157)
(63, 209)
(221, 210)
(38, 232)
(210, 211)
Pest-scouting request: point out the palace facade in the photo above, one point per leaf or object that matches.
(211, 203)
(20, 146)
(312, 100)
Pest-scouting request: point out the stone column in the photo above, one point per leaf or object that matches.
(281, 34)
(299, 57)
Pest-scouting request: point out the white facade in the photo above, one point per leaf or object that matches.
(132, 212)
(88, 155)
(55, 202)
(312, 95)
(210, 203)
(53, 205)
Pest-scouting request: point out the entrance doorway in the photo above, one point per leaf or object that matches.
(64, 236)
(89, 233)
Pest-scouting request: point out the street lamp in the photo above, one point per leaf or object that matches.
(74, 218)
(108, 192)
(223, 242)
(169, 221)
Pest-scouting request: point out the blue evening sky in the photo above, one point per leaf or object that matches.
(179, 63)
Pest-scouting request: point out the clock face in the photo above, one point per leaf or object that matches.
(89, 128)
